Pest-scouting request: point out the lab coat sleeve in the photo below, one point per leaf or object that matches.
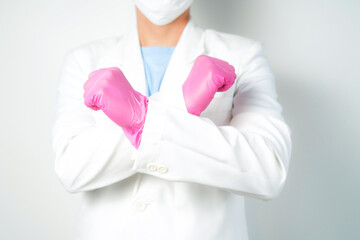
(249, 156)
(88, 155)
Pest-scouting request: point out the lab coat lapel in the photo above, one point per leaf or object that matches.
(131, 61)
(126, 54)
(189, 46)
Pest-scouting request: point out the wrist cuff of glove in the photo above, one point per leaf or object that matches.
(134, 133)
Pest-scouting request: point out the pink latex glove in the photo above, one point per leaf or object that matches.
(108, 90)
(207, 76)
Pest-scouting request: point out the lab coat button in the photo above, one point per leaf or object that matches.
(152, 167)
(162, 169)
(140, 206)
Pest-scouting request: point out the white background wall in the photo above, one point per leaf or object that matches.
(313, 48)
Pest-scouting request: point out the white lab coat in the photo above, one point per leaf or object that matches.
(190, 174)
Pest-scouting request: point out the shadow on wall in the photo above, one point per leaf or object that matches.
(214, 13)
(309, 204)
(231, 16)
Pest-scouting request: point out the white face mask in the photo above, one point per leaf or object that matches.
(162, 12)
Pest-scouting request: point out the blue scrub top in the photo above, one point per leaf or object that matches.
(156, 60)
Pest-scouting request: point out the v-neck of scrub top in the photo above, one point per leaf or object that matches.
(156, 60)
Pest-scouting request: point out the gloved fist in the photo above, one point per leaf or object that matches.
(108, 90)
(207, 76)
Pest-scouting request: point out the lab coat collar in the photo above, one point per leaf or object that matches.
(189, 46)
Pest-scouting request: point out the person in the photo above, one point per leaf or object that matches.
(166, 129)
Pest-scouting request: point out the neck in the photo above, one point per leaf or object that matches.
(155, 35)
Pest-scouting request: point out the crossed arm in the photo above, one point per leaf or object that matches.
(250, 156)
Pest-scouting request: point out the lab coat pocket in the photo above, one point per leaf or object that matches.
(220, 104)
(219, 110)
